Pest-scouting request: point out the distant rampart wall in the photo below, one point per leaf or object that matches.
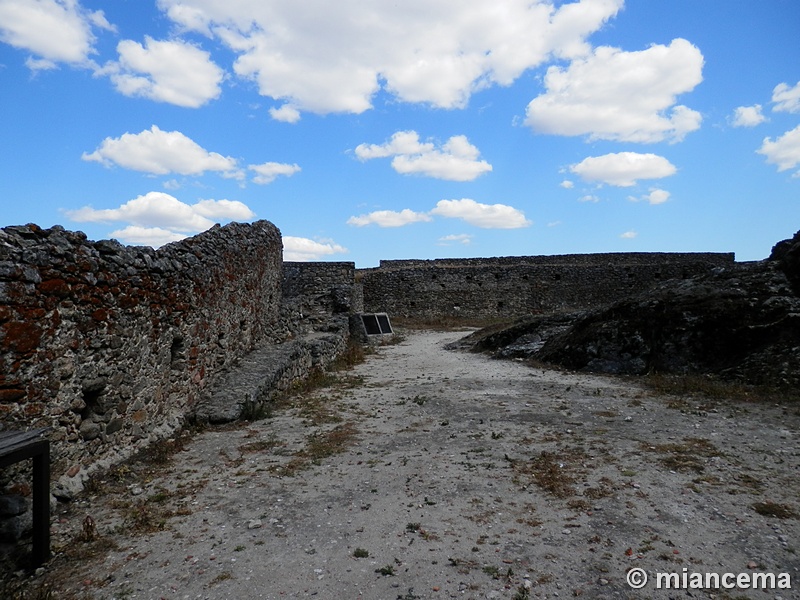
(512, 286)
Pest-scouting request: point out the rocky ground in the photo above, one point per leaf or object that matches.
(429, 473)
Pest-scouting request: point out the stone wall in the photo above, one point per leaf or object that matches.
(111, 346)
(512, 286)
(320, 288)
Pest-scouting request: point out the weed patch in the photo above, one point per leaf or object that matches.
(713, 388)
(554, 472)
(691, 455)
(320, 445)
(775, 510)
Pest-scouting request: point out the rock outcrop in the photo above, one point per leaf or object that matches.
(740, 322)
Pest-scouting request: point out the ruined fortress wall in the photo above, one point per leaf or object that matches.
(111, 345)
(313, 288)
(512, 286)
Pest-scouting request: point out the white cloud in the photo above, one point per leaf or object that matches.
(223, 210)
(170, 71)
(623, 169)
(146, 236)
(748, 116)
(158, 218)
(401, 143)
(628, 235)
(304, 249)
(622, 96)
(162, 152)
(286, 113)
(268, 171)
(786, 99)
(488, 216)
(389, 218)
(567, 184)
(456, 160)
(328, 57)
(460, 238)
(589, 198)
(784, 151)
(656, 196)
(55, 31)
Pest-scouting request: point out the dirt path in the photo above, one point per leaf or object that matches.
(436, 474)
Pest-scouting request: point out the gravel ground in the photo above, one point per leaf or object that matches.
(427, 473)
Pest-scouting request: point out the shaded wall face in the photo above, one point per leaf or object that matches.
(514, 286)
(321, 287)
(111, 345)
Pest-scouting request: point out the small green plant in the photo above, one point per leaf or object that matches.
(413, 527)
(360, 553)
(492, 571)
(386, 570)
(522, 593)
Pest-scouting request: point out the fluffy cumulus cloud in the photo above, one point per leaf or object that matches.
(654, 196)
(487, 216)
(389, 218)
(748, 116)
(456, 160)
(629, 235)
(624, 96)
(157, 218)
(286, 113)
(304, 249)
(326, 57)
(784, 151)
(786, 99)
(269, 171)
(53, 31)
(169, 71)
(623, 169)
(160, 153)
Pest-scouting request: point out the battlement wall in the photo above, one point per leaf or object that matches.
(511, 286)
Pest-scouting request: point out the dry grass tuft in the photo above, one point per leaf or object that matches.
(554, 472)
(691, 455)
(775, 510)
(710, 387)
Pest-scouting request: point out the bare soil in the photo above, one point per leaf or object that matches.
(428, 473)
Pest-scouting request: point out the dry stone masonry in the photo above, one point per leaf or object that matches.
(111, 346)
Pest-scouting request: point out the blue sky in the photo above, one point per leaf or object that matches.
(370, 130)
